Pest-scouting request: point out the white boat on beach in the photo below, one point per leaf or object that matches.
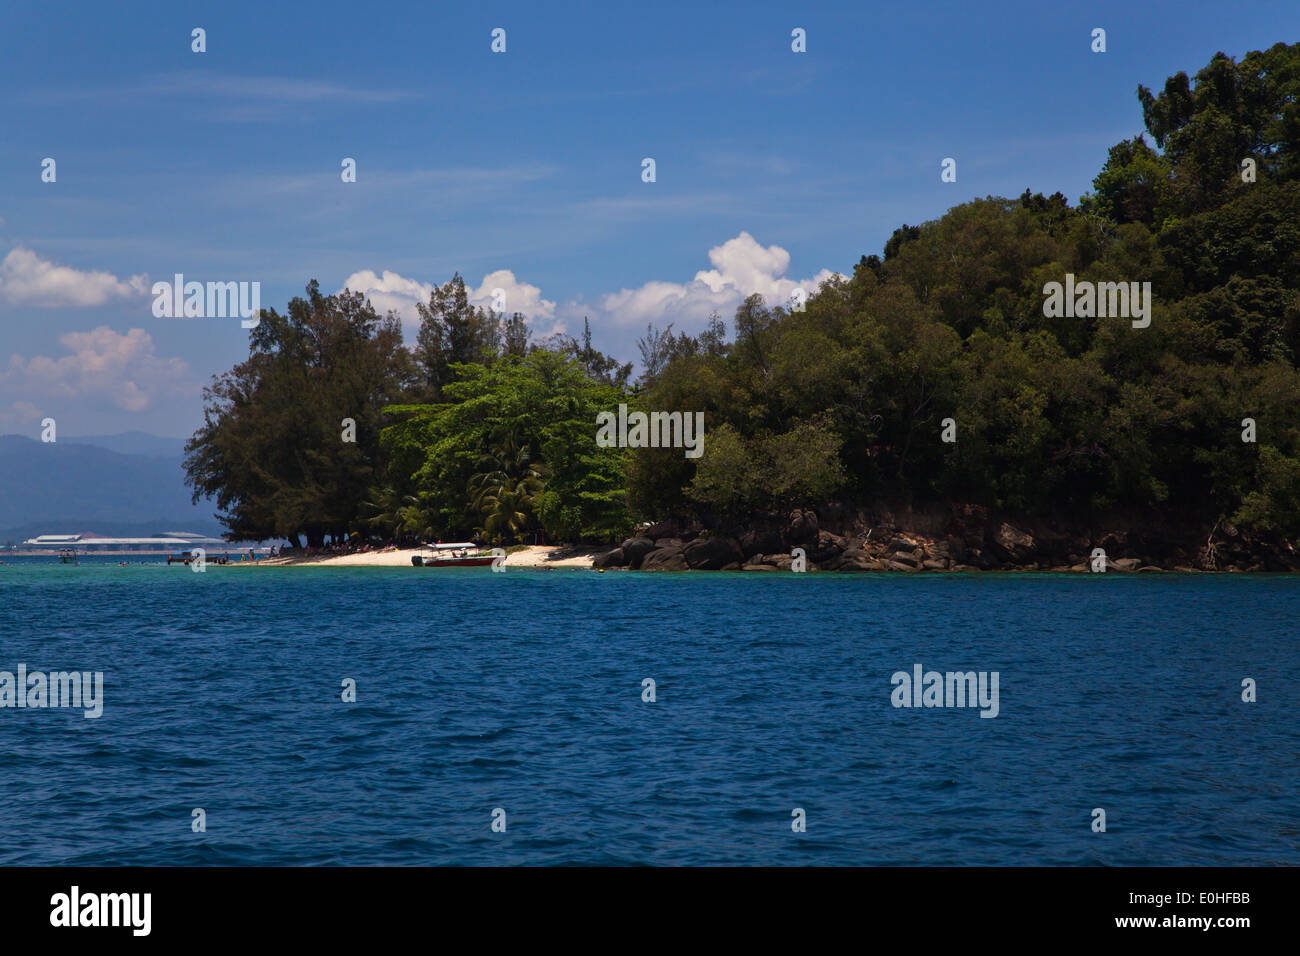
(459, 554)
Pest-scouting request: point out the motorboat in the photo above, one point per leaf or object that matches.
(459, 554)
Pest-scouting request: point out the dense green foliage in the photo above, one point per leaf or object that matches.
(1069, 416)
(1074, 417)
(473, 431)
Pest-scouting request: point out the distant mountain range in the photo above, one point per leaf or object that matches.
(117, 485)
(134, 443)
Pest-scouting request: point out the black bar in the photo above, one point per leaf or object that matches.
(633, 906)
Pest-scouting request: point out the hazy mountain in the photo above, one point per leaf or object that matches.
(76, 486)
(133, 443)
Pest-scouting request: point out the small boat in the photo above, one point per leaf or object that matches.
(185, 557)
(463, 554)
(67, 555)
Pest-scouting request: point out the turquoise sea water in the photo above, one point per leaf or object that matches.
(523, 691)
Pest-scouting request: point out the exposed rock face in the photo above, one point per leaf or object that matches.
(635, 550)
(803, 527)
(1011, 544)
(760, 542)
(664, 559)
(959, 537)
(828, 547)
(610, 559)
(712, 553)
(856, 560)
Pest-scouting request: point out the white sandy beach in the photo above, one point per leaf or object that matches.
(534, 556)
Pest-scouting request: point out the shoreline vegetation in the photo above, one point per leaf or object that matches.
(1000, 548)
(944, 407)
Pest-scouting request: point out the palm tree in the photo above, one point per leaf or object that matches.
(392, 514)
(503, 489)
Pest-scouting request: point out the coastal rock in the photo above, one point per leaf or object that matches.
(935, 565)
(803, 527)
(1123, 564)
(828, 547)
(635, 550)
(858, 561)
(712, 554)
(781, 562)
(760, 542)
(900, 566)
(905, 557)
(610, 559)
(664, 559)
(664, 529)
(1011, 544)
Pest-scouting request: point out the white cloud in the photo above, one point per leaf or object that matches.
(391, 291)
(27, 279)
(519, 296)
(741, 267)
(103, 366)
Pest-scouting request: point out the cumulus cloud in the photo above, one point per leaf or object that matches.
(27, 279)
(394, 292)
(390, 292)
(102, 365)
(741, 267)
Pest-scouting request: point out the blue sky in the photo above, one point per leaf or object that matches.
(520, 170)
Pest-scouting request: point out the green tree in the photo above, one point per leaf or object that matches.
(271, 450)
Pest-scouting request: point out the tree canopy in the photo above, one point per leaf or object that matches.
(478, 430)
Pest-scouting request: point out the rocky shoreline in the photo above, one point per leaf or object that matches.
(962, 538)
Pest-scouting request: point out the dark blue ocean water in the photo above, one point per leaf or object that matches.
(523, 691)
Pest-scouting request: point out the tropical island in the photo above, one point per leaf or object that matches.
(928, 411)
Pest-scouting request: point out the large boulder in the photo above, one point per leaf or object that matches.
(828, 547)
(760, 542)
(664, 529)
(803, 527)
(610, 559)
(1011, 544)
(635, 550)
(712, 553)
(664, 559)
(856, 559)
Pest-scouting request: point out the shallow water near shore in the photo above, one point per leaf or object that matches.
(523, 691)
